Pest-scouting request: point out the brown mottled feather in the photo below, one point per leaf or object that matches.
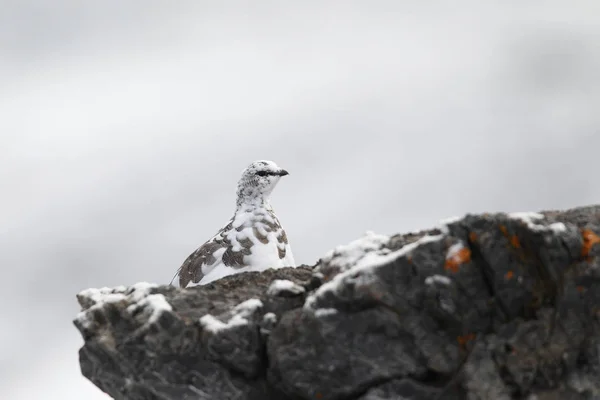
(233, 258)
(261, 238)
(191, 269)
(270, 226)
(246, 243)
(282, 238)
(281, 252)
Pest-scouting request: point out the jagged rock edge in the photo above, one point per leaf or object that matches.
(472, 247)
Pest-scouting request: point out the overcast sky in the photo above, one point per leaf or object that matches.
(124, 127)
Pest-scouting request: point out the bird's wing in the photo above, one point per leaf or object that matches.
(284, 249)
(283, 246)
(219, 250)
(191, 269)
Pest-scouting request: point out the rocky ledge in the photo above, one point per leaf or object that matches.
(492, 306)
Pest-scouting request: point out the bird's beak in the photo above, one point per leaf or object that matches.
(283, 172)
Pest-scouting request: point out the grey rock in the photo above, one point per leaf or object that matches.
(405, 389)
(489, 306)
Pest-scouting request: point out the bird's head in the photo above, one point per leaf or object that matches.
(258, 181)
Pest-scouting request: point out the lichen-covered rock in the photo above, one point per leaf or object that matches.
(493, 306)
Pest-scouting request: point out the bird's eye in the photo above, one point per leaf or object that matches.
(262, 173)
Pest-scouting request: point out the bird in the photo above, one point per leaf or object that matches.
(252, 240)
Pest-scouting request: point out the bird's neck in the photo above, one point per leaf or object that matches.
(247, 204)
(252, 197)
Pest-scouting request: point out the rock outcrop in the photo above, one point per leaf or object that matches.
(493, 306)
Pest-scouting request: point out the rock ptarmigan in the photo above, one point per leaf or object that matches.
(253, 240)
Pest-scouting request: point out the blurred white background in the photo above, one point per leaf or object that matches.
(124, 127)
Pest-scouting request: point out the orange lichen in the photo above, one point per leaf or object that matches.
(319, 395)
(509, 275)
(589, 240)
(504, 230)
(464, 339)
(473, 237)
(456, 259)
(514, 240)
(580, 289)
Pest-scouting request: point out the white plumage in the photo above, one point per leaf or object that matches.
(253, 240)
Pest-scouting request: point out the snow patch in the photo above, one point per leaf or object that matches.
(453, 253)
(529, 217)
(346, 256)
(212, 324)
(270, 318)
(447, 305)
(443, 224)
(444, 280)
(240, 316)
(364, 265)
(324, 312)
(248, 307)
(526, 216)
(156, 304)
(284, 285)
(557, 227)
(137, 295)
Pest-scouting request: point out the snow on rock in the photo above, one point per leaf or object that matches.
(444, 280)
(270, 318)
(529, 217)
(239, 317)
(284, 285)
(137, 296)
(324, 312)
(248, 307)
(153, 304)
(365, 249)
(454, 250)
(526, 216)
(443, 224)
(214, 325)
(457, 255)
(360, 271)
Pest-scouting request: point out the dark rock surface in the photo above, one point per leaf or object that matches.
(491, 306)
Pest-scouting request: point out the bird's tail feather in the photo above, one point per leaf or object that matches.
(175, 276)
